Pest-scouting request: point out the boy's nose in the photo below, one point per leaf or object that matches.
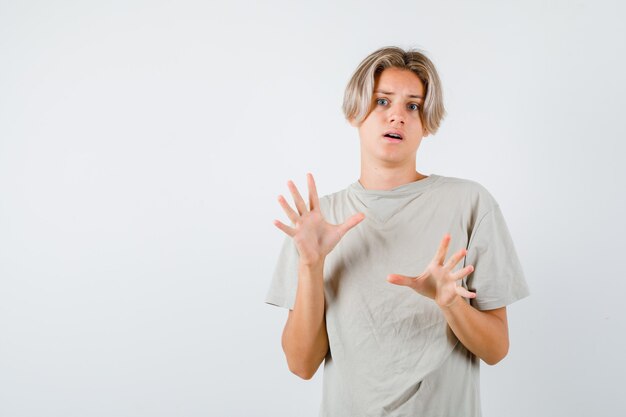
(396, 118)
(396, 115)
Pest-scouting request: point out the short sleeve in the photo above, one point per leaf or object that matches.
(282, 291)
(498, 278)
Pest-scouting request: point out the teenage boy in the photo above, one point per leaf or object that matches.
(388, 350)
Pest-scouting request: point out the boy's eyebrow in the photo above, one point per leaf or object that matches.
(389, 93)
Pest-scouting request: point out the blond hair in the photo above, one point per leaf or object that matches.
(357, 100)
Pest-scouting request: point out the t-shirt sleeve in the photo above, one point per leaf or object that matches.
(282, 291)
(498, 278)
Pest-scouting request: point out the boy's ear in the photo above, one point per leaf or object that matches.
(353, 122)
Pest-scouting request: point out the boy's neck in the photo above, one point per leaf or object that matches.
(383, 178)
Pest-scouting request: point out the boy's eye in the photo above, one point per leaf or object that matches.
(382, 101)
(413, 106)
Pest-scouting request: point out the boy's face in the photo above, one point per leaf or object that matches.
(392, 131)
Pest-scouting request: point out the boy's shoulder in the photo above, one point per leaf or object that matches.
(467, 190)
(462, 184)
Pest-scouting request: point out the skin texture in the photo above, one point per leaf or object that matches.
(385, 164)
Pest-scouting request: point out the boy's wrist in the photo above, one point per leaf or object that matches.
(312, 265)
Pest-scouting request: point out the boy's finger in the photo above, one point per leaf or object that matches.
(455, 259)
(401, 280)
(314, 202)
(443, 248)
(293, 216)
(462, 273)
(288, 230)
(350, 223)
(463, 292)
(297, 198)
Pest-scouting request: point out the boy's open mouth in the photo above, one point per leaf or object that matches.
(393, 135)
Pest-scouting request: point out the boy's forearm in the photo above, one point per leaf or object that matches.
(305, 341)
(484, 334)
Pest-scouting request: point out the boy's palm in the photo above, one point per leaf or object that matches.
(438, 281)
(313, 236)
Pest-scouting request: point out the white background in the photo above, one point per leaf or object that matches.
(143, 144)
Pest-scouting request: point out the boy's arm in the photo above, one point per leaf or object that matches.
(484, 333)
(304, 340)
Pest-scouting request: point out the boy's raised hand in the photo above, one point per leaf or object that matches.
(438, 281)
(313, 236)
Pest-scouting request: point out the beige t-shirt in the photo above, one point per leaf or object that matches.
(391, 352)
